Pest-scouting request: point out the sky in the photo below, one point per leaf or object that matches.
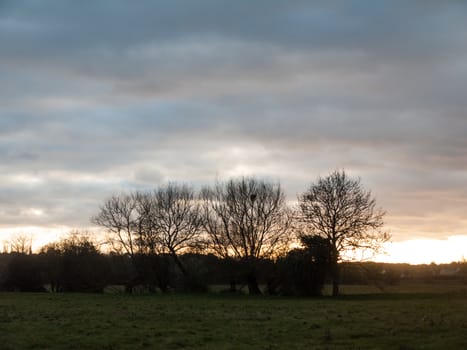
(105, 97)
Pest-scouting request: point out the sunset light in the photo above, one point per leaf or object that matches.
(261, 174)
(288, 94)
(423, 251)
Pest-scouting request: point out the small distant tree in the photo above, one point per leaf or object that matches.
(51, 265)
(75, 264)
(20, 243)
(246, 220)
(338, 209)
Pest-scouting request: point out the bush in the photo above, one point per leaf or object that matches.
(302, 272)
(75, 265)
(22, 274)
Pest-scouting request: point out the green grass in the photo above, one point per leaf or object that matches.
(405, 287)
(117, 321)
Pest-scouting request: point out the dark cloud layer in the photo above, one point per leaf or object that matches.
(98, 97)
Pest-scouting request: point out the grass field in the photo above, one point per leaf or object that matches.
(215, 321)
(404, 287)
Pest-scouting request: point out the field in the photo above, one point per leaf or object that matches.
(215, 321)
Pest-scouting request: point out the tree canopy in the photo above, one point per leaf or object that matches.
(339, 209)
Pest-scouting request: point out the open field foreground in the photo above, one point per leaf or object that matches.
(116, 321)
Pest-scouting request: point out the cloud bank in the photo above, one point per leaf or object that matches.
(99, 97)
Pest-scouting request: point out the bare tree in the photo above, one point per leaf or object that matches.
(21, 243)
(164, 221)
(246, 219)
(340, 210)
(120, 216)
(124, 220)
(176, 218)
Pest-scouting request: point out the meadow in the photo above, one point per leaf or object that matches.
(218, 321)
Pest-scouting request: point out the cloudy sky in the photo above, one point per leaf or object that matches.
(100, 97)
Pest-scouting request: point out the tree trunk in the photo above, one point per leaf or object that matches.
(151, 288)
(335, 278)
(129, 288)
(253, 287)
(233, 286)
(180, 265)
(163, 287)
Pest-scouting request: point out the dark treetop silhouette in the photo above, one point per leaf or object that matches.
(340, 210)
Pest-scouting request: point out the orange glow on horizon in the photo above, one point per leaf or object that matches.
(414, 251)
(425, 251)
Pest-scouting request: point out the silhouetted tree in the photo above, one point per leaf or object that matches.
(340, 210)
(303, 270)
(51, 265)
(22, 274)
(20, 243)
(174, 220)
(125, 219)
(75, 264)
(142, 225)
(246, 219)
(120, 216)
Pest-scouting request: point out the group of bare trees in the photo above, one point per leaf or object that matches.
(18, 243)
(244, 219)
(166, 220)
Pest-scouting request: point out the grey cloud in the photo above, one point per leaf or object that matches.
(110, 23)
(113, 96)
(66, 30)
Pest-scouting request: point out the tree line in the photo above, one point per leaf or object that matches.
(239, 232)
